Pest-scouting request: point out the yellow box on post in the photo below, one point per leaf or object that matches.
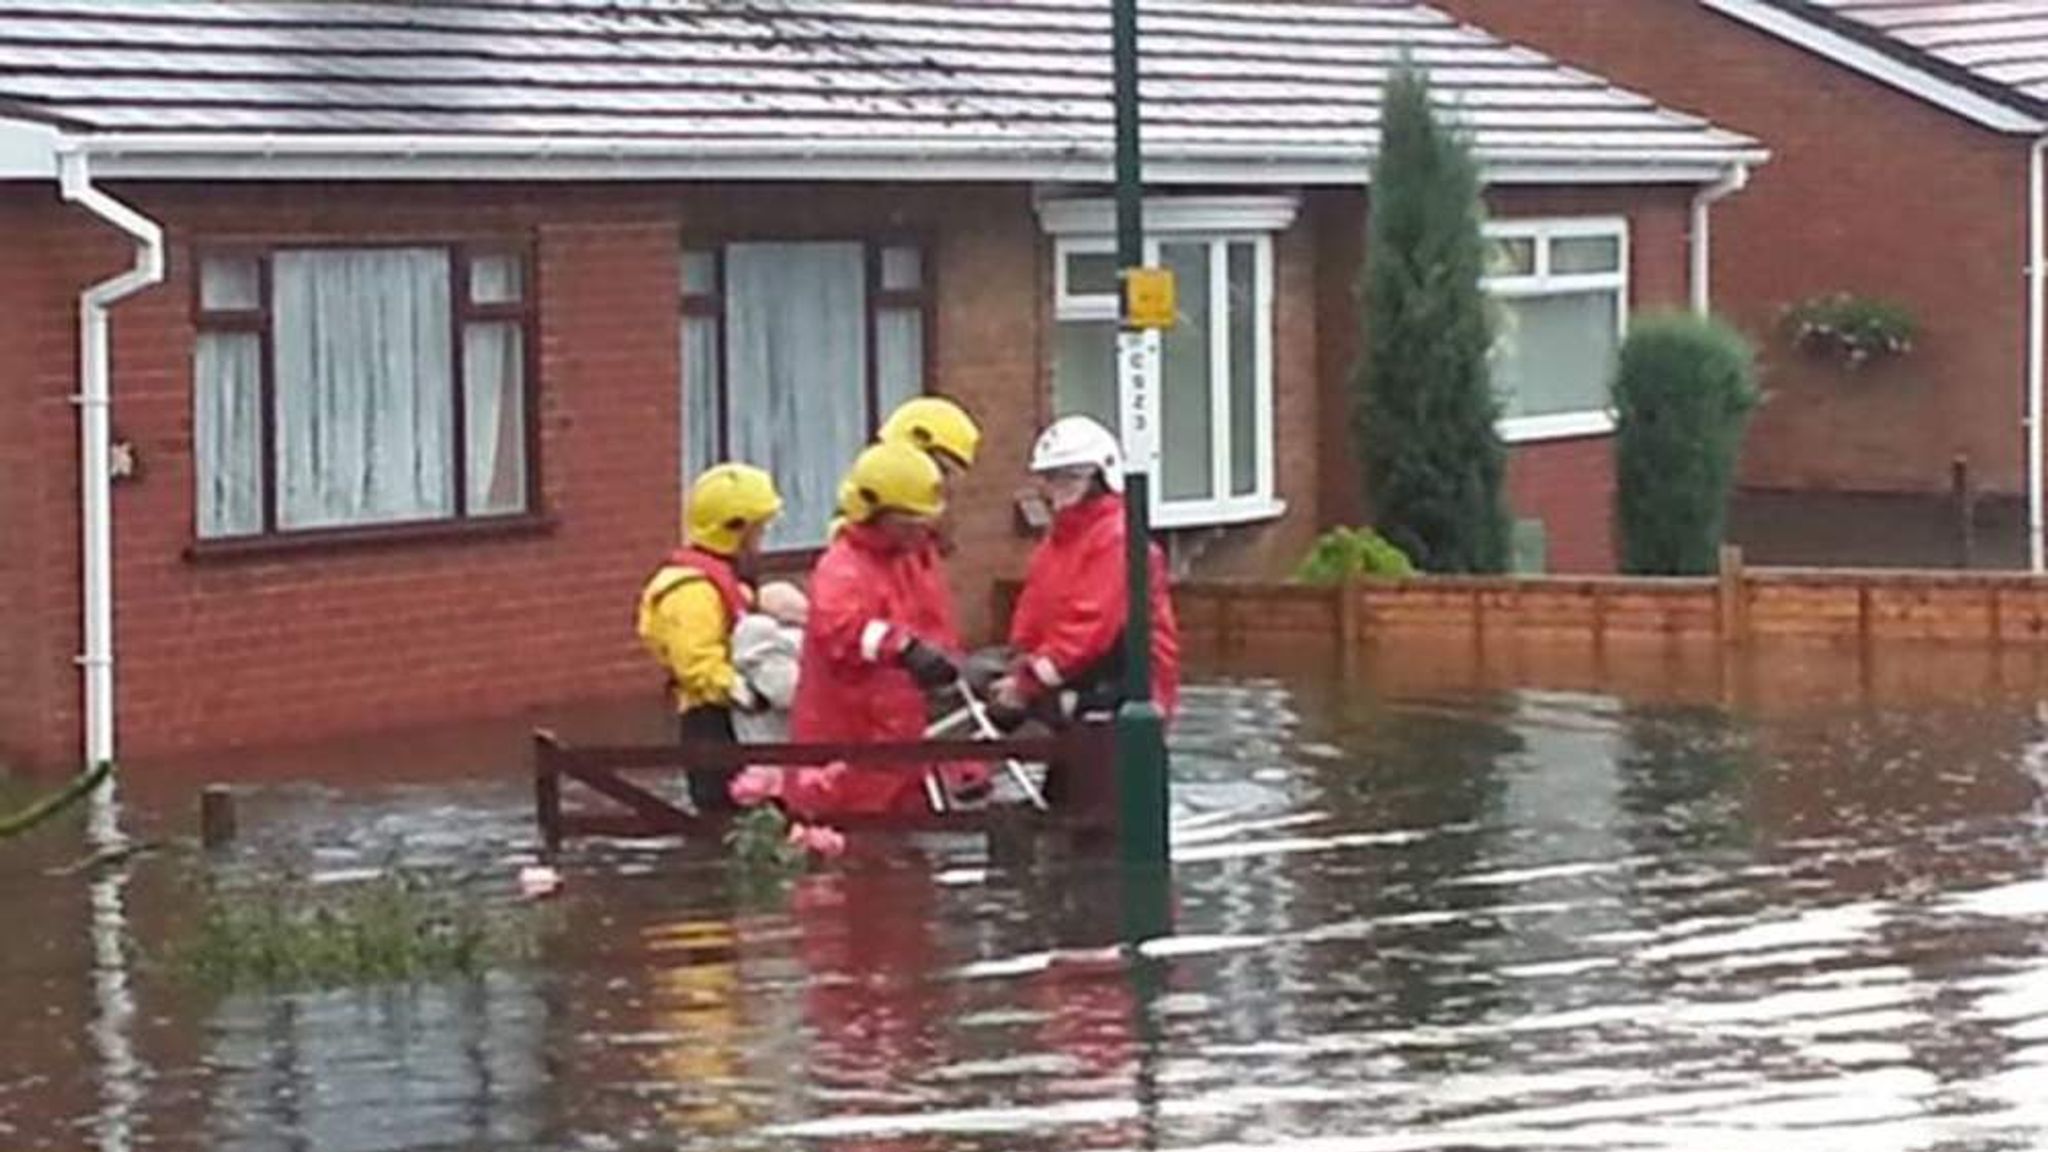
(1148, 298)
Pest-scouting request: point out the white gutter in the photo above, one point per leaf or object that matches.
(95, 474)
(118, 147)
(355, 157)
(2037, 306)
(1703, 234)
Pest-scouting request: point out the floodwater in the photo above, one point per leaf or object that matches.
(1412, 913)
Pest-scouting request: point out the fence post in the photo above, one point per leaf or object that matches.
(1964, 491)
(216, 816)
(547, 792)
(1226, 621)
(1733, 605)
(1347, 626)
(1599, 590)
(1865, 622)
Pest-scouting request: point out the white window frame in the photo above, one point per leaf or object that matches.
(1085, 227)
(1542, 282)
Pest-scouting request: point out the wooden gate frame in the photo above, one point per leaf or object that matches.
(1084, 753)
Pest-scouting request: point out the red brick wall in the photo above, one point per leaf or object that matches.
(1567, 484)
(1338, 218)
(38, 476)
(274, 648)
(20, 672)
(1868, 190)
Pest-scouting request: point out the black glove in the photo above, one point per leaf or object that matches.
(1006, 718)
(928, 666)
(982, 669)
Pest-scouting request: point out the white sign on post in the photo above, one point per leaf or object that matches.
(1137, 370)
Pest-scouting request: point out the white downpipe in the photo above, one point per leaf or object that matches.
(1703, 234)
(2037, 269)
(113, 1024)
(95, 475)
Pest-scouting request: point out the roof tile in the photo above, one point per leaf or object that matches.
(1223, 78)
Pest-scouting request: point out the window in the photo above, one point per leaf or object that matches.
(793, 353)
(1561, 288)
(1210, 408)
(350, 387)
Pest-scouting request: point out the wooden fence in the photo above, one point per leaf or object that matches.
(1741, 606)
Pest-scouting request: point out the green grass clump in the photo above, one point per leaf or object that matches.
(400, 927)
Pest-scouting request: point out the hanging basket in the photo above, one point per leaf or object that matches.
(1853, 330)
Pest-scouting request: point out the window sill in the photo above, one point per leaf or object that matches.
(325, 540)
(788, 563)
(1563, 426)
(1220, 515)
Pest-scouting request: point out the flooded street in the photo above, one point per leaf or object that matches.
(1407, 918)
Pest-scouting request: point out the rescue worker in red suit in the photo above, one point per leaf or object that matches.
(880, 635)
(941, 429)
(1067, 632)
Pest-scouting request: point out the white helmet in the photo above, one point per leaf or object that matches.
(1079, 442)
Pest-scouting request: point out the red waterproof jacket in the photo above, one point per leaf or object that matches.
(869, 600)
(1070, 616)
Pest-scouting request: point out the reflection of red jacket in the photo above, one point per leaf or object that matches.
(1088, 1016)
(1070, 616)
(869, 599)
(870, 999)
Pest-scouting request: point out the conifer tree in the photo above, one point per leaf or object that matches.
(1424, 410)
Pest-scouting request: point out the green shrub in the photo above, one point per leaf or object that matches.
(1352, 554)
(1684, 389)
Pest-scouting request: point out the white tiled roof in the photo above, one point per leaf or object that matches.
(1288, 88)
(2002, 42)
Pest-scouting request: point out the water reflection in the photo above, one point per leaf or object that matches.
(1433, 916)
(442, 1066)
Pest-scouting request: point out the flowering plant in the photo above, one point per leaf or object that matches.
(1856, 328)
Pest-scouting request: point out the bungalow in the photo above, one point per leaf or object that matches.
(421, 314)
(1907, 140)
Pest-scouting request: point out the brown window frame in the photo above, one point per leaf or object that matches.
(461, 253)
(879, 301)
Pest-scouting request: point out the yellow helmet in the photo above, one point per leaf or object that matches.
(894, 478)
(848, 502)
(934, 424)
(725, 502)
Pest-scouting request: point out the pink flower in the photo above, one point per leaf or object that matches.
(829, 843)
(812, 790)
(755, 786)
